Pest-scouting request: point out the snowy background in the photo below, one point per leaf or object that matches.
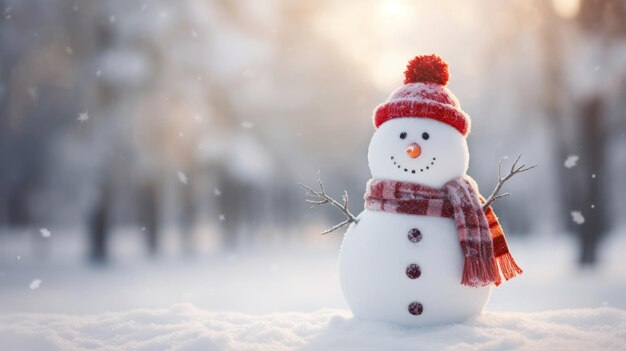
(149, 153)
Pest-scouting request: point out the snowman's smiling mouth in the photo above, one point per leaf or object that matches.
(413, 170)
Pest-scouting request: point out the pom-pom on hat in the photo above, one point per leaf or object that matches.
(424, 95)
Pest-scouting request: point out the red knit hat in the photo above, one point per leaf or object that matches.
(424, 95)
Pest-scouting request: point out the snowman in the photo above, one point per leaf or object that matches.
(426, 250)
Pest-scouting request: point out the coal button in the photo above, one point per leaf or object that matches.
(413, 271)
(414, 235)
(416, 308)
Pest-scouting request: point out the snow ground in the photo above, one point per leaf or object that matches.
(289, 297)
(185, 327)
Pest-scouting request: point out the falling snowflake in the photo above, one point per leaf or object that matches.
(197, 117)
(69, 50)
(571, 161)
(98, 73)
(247, 124)
(83, 117)
(34, 285)
(577, 217)
(217, 192)
(112, 19)
(182, 177)
(593, 176)
(222, 217)
(45, 232)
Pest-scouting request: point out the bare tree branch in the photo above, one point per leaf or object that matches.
(335, 227)
(501, 180)
(319, 197)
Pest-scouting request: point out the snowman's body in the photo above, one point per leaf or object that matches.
(405, 268)
(375, 255)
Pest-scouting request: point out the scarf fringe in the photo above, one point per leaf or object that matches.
(477, 272)
(480, 272)
(508, 266)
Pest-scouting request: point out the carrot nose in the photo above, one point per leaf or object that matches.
(414, 150)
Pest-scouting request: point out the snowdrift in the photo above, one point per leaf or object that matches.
(186, 327)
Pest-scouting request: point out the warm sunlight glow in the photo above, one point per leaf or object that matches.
(383, 36)
(386, 72)
(566, 8)
(393, 8)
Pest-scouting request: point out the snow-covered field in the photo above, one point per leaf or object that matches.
(185, 327)
(288, 297)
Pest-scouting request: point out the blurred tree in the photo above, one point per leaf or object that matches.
(592, 195)
(603, 17)
(148, 204)
(582, 130)
(605, 22)
(99, 224)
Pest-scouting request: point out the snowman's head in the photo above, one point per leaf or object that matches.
(421, 128)
(418, 150)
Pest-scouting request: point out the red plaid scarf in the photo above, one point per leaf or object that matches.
(482, 239)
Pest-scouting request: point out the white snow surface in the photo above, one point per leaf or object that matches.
(186, 327)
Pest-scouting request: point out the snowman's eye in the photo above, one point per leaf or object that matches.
(403, 135)
(425, 136)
